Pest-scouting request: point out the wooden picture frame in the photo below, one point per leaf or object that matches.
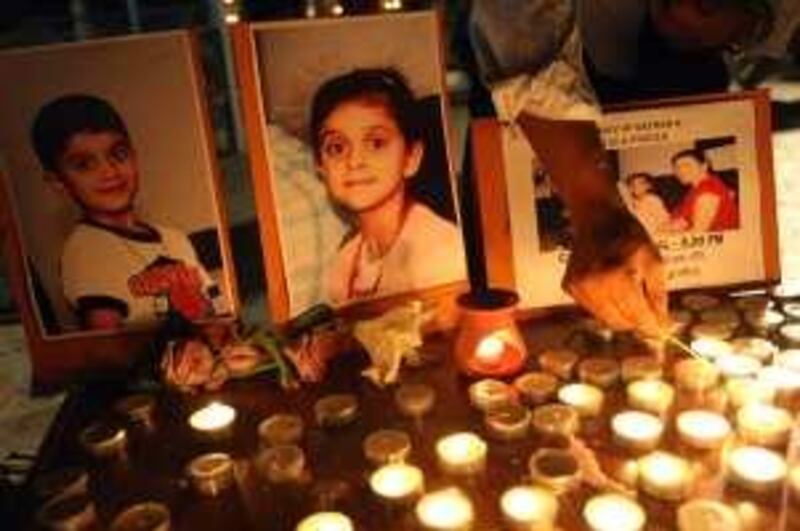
(733, 128)
(280, 67)
(176, 190)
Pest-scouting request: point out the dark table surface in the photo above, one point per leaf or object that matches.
(154, 468)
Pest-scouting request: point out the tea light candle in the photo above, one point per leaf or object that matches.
(415, 399)
(336, 410)
(695, 375)
(445, 510)
(283, 463)
(721, 316)
(461, 453)
(790, 359)
(614, 512)
(698, 302)
(529, 509)
(786, 290)
(733, 366)
(792, 310)
(138, 409)
(753, 302)
(559, 363)
(76, 511)
(508, 423)
(387, 446)
(280, 428)
(536, 388)
(712, 331)
(764, 321)
(214, 419)
(790, 335)
(104, 440)
(784, 382)
(488, 394)
(665, 476)
(641, 368)
(397, 483)
(147, 516)
(764, 425)
(742, 392)
(707, 515)
(703, 430)
(756, 469)
(556, 420)
(755, 347)
(555, 469)
(600, 372)
(211, 474)
(586, 399)
(711, 348)
(652, 396)
(637, 431)
(326, 521)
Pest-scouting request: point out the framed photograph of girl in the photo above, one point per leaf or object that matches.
(696, 172)
(113, 213)
(349, 156)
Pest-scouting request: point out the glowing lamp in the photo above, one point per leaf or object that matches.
(488, 342)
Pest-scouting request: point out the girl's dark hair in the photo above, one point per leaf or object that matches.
(383, 85)
(58, 120)
(697, 154)
(639, 175)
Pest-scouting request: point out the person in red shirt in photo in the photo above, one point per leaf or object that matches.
(709, 205)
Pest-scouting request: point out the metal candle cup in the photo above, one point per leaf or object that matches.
(641, 368)
(703, 430)
(695, 375)
(637, 431)
(415, 399)
(211, 474)
(280, 429)
(614, 512)
(559, 363)
(386, 446)
(600, 372)
(488, 394)
(445, 510)
(556, 420)
(336, 410)
(397, 483)
(756, 469)
(326, 521)
(652, 396)
(554, 469)
(586, 399)
(509, 422)
(461, 454)
(665, 476)
(529, 509)
(147, 516)
(284, 463)
(103, 440)
(764, 425)
(536, 388)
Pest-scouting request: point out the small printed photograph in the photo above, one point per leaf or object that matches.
(682, 187)
(552, 217)
(363, 193)
(112, 184)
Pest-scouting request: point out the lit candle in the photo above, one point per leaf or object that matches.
(326, 521)
(764, 425)
(559, 362)
(212, 473)
(490, 350)
(704, 430)
(600, 372)
(216, 418)
(415, 399)
(695, 375)
(614, 512)
(792, 310)
(733, 366)
(280, 429)
(104, 440)
(150, 516)
(445, 510)
(641, 368)
(653, 396)
(721, 316)
(789, 358)
(764, 321)
(556, 420)
(707, 515)
(555, 469)
(785, 383)
(717, 331)
(529, 509)
(637, 431)
(336, 410)
(786, 290)
(586, 399)
(746, 391)
(665, 476)
(756, 347)
(698, 302)
(536, 388)
(461, 453)
(488, 394)
(509, 422)
(282, 463)
(387, 446)
(711, 348)
(397, 483)
(756, 469)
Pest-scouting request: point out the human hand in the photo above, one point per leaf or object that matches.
(615, 271)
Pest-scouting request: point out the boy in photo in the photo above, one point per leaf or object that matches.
(117, 270)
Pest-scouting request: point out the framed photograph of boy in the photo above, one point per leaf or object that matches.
(113, 209)
(349, 155)
(696, 172)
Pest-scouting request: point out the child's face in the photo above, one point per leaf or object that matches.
(639, 186)
(364, 156)
(98, 170)
(689, 170)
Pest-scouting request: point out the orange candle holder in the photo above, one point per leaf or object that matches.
(488, 342)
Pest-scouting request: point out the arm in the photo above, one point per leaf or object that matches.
(614, 270)
(705, 210)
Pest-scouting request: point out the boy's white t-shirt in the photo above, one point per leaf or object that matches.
(101, 263)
